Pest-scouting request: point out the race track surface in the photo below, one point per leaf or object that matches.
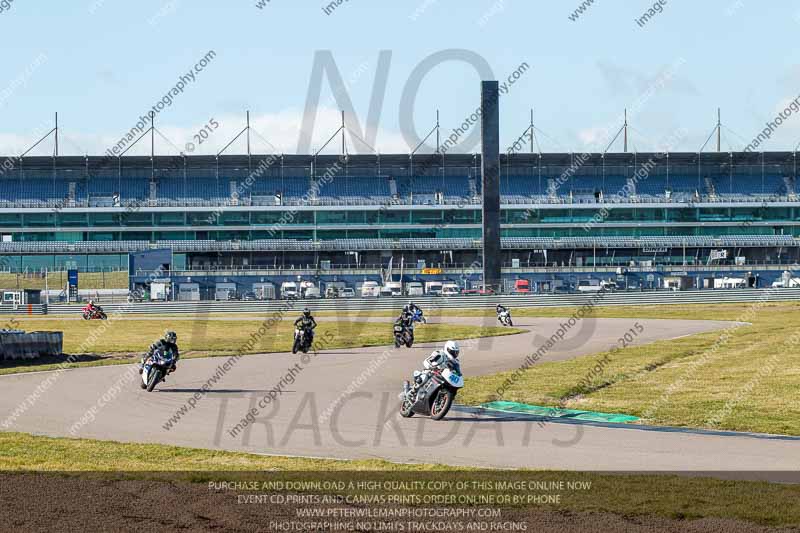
(314, 416)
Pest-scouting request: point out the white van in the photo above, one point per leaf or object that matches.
(289, 290)
(392, 288)
(370, 289)
(414, 288)
(450, 289)
(434, 288)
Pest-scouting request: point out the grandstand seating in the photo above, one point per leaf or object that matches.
(32, 191)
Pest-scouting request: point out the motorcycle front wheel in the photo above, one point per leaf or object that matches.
(296, 345)
(405, 409)
(153, 379)
(409, 341)
(442, 403)
(397, 341)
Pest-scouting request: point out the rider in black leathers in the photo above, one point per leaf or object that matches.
(307, 323)
(169, 342)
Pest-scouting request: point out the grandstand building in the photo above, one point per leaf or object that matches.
(563, 216)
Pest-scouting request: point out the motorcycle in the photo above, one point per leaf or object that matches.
(95, 314)
(418, 317)
(155, 368)
(435, 396)
(403, 335)
(302, 340)
(505, 318)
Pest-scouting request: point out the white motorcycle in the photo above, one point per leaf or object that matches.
(155, 368)
(505, 318)
(435, 396)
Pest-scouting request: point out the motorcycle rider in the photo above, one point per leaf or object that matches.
(167, 343)
(502, 309)
(307, 323)
(438, 359)
(414, 310)
(91, 309)
(405, 320)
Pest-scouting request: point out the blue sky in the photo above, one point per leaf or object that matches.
(102, 63)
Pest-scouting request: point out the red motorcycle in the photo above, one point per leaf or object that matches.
(94, 313)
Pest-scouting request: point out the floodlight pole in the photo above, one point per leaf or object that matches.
(56, 129)
(152, 145)
(625, 135)
(530, 133)
(719, 130)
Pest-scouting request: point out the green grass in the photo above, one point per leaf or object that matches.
(747, 382)
(628, 495)
(122, 341)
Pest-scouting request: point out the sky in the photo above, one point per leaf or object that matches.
(102, 64)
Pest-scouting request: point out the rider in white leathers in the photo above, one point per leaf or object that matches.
(438, 359)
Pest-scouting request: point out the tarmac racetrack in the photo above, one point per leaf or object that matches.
(343, 404)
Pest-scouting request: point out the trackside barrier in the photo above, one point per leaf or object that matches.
(454, 302)
(21, 345)
(26, 309)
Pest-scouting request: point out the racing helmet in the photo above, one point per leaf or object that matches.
(452, 349)
(306, 312)
(91, 302)
(171, 336)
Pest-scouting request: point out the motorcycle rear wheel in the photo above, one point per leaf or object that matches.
(409, 341)
(441, 404)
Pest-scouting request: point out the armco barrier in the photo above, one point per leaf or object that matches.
(21, 345)
(26, 309)
(454, 302)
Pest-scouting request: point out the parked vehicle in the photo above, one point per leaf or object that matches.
(450, 289)
(594, 285)
(522, 286)
(347, 292)
(392, 288)
(414, 288)
(312, 293)
(483, 291)
(434, 288)
(289, 290)
(370, 289)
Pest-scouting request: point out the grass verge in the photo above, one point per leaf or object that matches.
(668, 496)
(743, 379)
(118, 342)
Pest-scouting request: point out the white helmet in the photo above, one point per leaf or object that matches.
(452, 350)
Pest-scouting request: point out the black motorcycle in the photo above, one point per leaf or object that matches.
(435, 396)
(403, 334)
